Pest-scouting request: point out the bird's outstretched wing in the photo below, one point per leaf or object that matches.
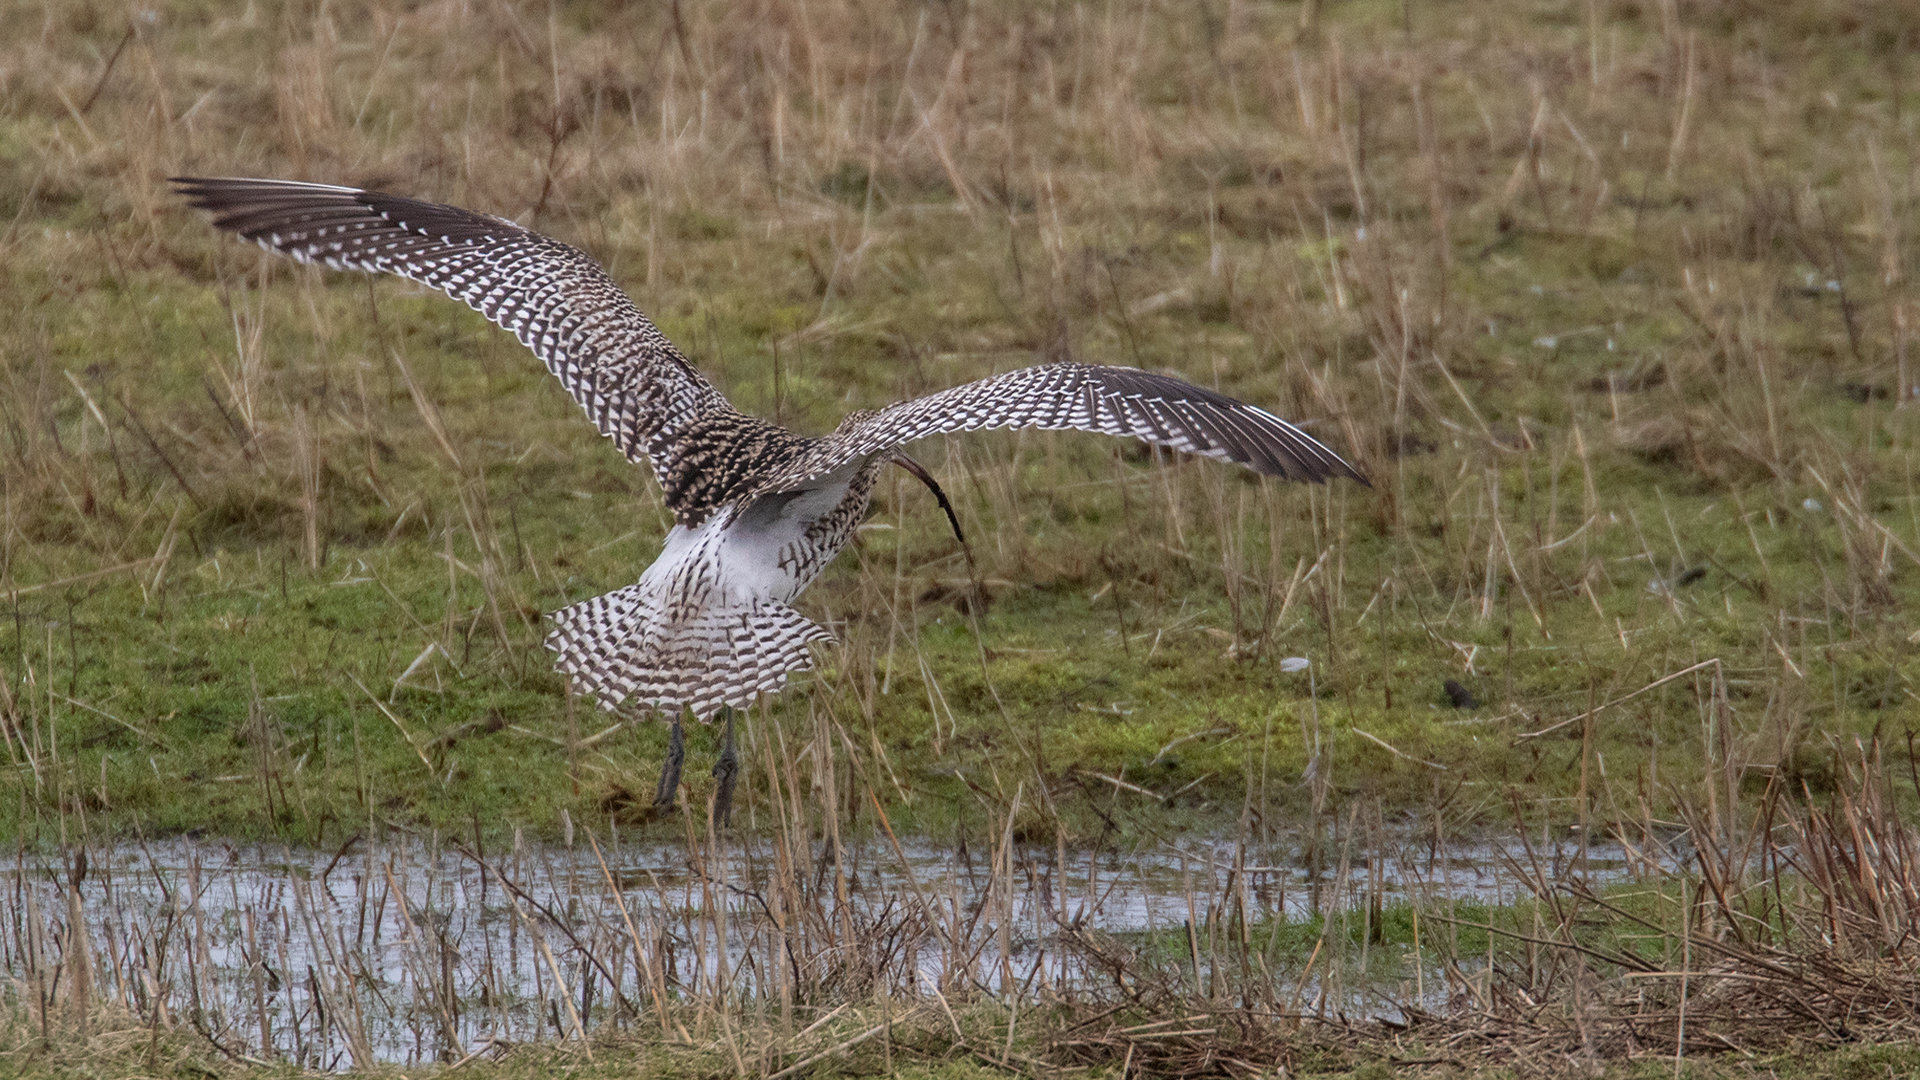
(1121, 401)
(632, 382)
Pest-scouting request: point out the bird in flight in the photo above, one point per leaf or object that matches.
(758, 510)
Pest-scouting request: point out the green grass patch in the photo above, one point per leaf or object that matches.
(1613, 311)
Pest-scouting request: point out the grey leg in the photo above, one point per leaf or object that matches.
(726, 770)
(670, 769)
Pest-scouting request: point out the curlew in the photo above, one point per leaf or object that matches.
(758, 510)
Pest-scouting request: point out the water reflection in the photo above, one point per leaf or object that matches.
(416, 950)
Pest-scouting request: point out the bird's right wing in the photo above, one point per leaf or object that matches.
(635, 386)
(1126, 402)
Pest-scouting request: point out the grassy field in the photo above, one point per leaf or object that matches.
(1612, 301)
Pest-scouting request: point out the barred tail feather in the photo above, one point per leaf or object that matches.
(621, 647)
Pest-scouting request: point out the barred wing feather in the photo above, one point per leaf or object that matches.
(1126, 402)
(635, 386)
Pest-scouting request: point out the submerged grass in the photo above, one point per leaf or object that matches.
(1612, 302)
(1782, 942)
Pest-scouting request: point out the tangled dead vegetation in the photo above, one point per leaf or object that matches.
(1790, 931)
(1794, 934)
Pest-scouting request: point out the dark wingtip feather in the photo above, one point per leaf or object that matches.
(222, 192)
(1244, 433)
(255, 208)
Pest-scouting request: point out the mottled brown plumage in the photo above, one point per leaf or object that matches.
(723, 459)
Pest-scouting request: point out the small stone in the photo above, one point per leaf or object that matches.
(1460, 696)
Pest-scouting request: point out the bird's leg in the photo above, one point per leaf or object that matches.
(726, 771)
(670, 769)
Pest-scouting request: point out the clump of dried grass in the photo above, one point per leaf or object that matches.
(1801, 939)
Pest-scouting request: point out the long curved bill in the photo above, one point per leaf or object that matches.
(920, 472)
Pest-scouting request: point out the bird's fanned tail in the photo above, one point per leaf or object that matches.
(622, 647)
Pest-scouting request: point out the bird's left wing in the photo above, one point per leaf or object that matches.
(635, 386)
(1126, 402)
